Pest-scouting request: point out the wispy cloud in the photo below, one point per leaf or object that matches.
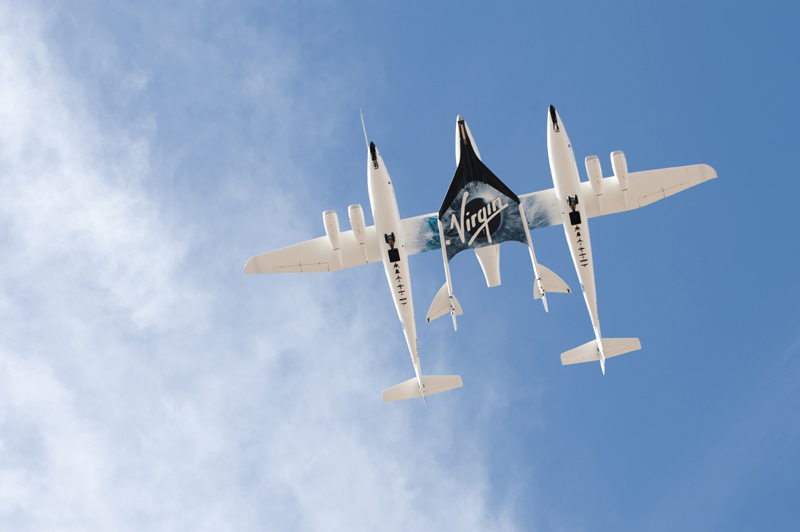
(142, 385)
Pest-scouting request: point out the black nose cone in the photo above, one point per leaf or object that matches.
(554, 118)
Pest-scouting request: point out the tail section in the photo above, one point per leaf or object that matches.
(590, 351)
(431, 384)
(547, 282)
(551, 282)
(441, 305)
(619, 346)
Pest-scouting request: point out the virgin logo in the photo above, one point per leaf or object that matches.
(477, 217)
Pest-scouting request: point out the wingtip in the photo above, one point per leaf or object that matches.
(251, 266)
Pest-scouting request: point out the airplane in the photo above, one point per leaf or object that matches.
(578, 201)
(493, 215)
(388, 241)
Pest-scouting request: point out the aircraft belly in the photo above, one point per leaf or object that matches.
(399, 278)
(391, 242)
(580, 247)
(574, 216)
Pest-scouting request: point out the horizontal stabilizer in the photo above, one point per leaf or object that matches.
(441, 305)
(589, 352)
(433, 384)
(551, 282)
(619, 346)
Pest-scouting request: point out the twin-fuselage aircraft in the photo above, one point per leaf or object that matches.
(479, 212)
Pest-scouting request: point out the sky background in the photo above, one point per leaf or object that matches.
(148, 150)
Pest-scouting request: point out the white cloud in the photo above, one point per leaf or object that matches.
(134, 393)
(72, 200)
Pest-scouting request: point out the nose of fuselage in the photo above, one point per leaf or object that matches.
(464, 139)
(461, 130)
(553, 121)
(557, 137)
(374, 157)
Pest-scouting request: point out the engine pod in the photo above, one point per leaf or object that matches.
(595, 172)
(331, 222)
(620, 166)
(356, 215)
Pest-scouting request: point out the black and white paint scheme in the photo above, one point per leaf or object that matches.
(481, 216)
(479, 212)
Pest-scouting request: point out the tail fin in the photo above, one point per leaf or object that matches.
(551, 282)
(548, 282)
(589, 351)
(441, 305)
(432, 384)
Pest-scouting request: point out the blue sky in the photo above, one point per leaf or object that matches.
(147, 151)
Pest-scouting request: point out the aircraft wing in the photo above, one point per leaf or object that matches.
(644, 188)
(541, 208)
(422, 232)
(317, 255)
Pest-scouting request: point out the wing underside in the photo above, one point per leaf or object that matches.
(644, 188)
(317, 255)
(541, 210)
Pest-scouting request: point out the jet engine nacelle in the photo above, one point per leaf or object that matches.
(620, 166)
(595, 172)
(356, 214)
(331, 222)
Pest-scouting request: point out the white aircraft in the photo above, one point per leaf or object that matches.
(479, 212)
(577, 202)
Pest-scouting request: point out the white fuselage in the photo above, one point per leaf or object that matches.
(567, 185)
(395, 263)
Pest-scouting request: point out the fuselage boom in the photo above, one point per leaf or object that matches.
(574, 217)
(391, 241)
